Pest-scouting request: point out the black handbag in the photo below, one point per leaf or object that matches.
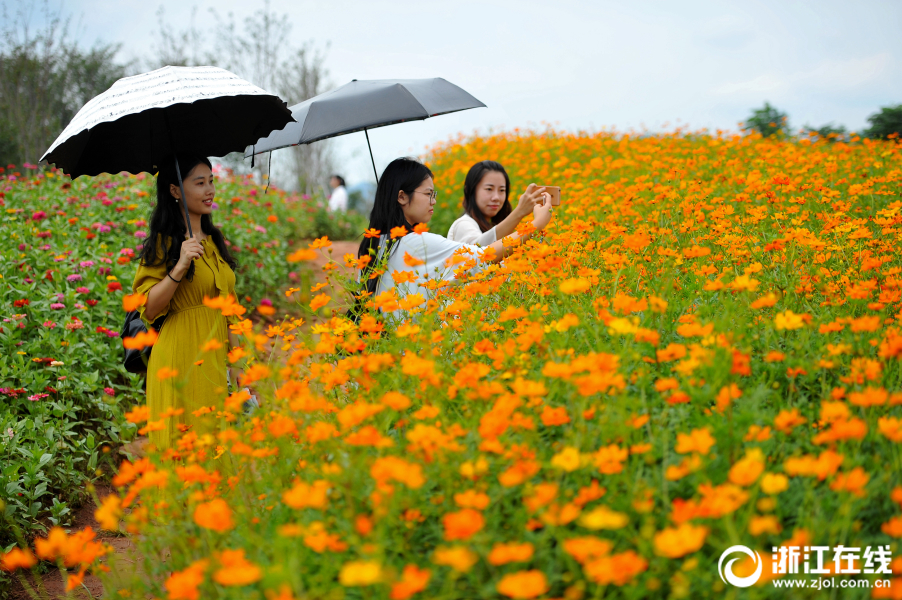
(136, 361)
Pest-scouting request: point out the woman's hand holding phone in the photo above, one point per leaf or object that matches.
(541, 215)
(533, 196)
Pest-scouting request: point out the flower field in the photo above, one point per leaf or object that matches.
(66, 259)
(701, 351)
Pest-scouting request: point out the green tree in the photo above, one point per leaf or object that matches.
(261, 50)
(828, 132)
(885, 122)
(767, 121)
(45, 78)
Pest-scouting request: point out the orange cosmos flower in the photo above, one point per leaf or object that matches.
(523, 584)
(463, 524)
(371, 233)
(457, 557)
(575, 285)
(253, 374)
(236, 354)
(211, 345)
(227, 305)
(166, 373)
(472, 499)
(412, 261)
(235, 569)
(301, 254)
(552, 416)
(893, 527)
(182, 585)
(891, 428)
(319, 301)
(676, 542)
(853, 481)
(17, 559)
(413, 580)
(318, 243)
(144, 339)
(398, 232)
(699, 440)
(746, 471)
(138, 414)
(131, 302)
(618, 569)
(109, 512)
(215, 515)
(392, 468)
(307, 495)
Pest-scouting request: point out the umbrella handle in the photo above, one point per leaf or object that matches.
(366, 133)
(178, 173)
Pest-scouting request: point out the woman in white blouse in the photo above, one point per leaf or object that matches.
(405, 198)
(488, 216)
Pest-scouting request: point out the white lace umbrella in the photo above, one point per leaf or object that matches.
(142, 120)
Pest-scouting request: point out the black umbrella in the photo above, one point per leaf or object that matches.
(364, 105)
(141, 120)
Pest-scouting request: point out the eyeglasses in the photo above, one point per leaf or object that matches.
(433, 195)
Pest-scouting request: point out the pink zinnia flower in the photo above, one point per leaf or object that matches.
(57, 306)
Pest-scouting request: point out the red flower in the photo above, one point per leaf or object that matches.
(92, 302)
(113, 286)
(22, 302)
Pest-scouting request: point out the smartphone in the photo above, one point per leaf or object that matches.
(555, 192)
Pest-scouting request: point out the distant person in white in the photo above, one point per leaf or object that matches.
(405, 198)
(488, 216)
(338, 201)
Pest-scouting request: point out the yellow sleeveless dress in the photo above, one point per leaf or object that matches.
(201, 379)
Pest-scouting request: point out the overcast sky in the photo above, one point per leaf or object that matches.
(576, 64)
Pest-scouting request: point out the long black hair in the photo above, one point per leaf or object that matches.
(167, 222)
(401, 175)
(471, 183)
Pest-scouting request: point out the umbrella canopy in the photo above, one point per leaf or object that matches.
(142, 119)
(363, 105)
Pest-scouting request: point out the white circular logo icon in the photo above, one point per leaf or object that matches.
(726, 574)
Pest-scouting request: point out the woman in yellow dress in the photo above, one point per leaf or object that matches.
(187, 367)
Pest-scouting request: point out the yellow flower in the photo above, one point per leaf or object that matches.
(788, 320)
(360, 573)
(603, 517)
(774, 483)
(567, 459)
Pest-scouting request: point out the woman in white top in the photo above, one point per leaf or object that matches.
(488, 216)
(338, 201)
(405, 197)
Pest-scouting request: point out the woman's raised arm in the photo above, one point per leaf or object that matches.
(541, 218)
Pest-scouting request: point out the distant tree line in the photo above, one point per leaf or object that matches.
(769, 121)
(46, 76)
